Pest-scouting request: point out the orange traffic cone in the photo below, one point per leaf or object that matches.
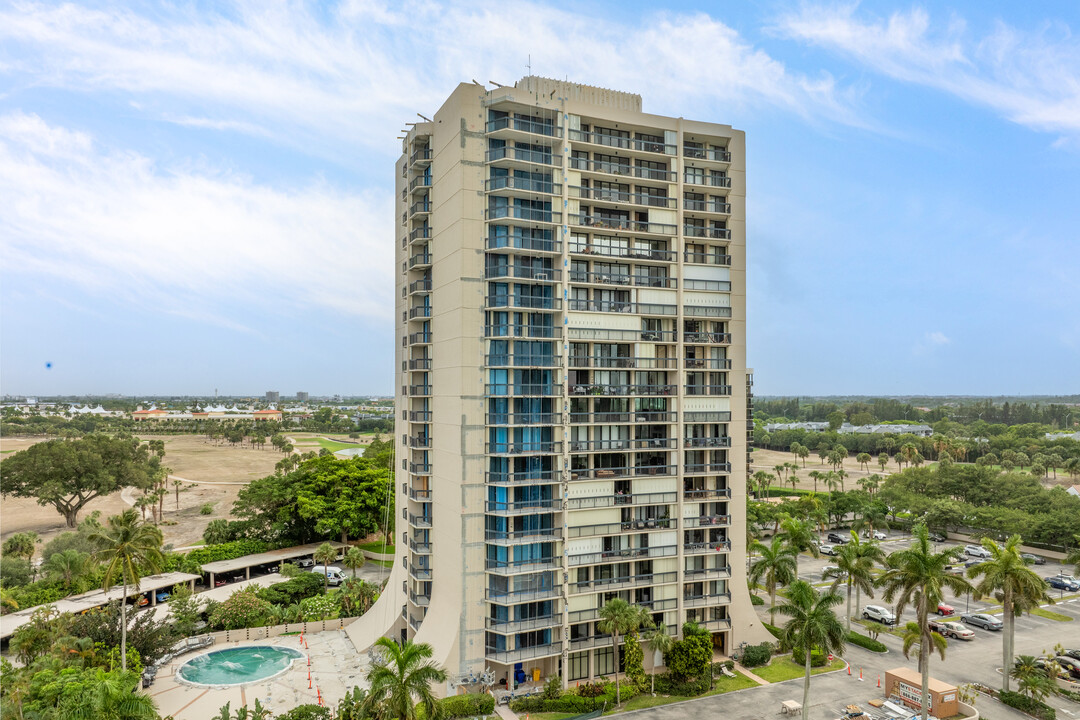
(849, 669)
(309, 660)
(879, 680)
(860, 674)
(301, 638)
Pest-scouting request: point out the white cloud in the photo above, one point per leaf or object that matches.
(345, 77)
(1030, 78)
(937, 338)
(200, 243)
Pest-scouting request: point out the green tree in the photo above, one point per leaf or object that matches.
(917, 576)
(913, 635)
(777, 565)
(1073, 558)
(401, 676)
(799, 535)
(813, 625)
(67, 565)
(127, 547)
(109, 696)
(1006, 575)
(1033, 681)
(184, 610)
(354, 560)
(325, 555)
(836, 419)
(69, 474)
(22, 545)
(659, 641)
(618, 617)
(864, 460)
(854, 567)
(883, 460)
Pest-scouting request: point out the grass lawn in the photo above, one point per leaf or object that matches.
(783, 668)
(722, 685)
(551, 715)
(377, 547)
(384, 563)
(1050, 615)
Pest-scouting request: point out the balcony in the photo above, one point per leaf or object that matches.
(420, 364)
(690, 601)
(607, 195)
(420, 260)
(576, 361)
(510, 419)
(625, 250)
(708, 520)
(420, 233)
(506, 657)
(516, 597)
(707, 442)
(420, 468)
(703, 548)
(420, 155)
(715, 625)
(523, 242)
(721, 181)
(625, 581)
(595, 278)
(713, 573)
(518, 360)
(424, 181)
(611, 418)
(522, 331)
(523, 390)
(708, 206)
(523, 272)
(622, 527)
(625, 143)
(607, 167)
(693, 495)
(608, 445)
(621, 500)
(419, 573)
(531, 302)
(523, 507)
(531, 477)
(419, 441)
(706, 468)
(708, 285)
(711, 154)
(524, 155)
(419, 390)
(699, 231)
(422, 207)
(544, 447)
(622, 390)
(420, 521)
(414, 623)
(714, 390)
(707, 338)
(622, 307)
(622, 555)
(420, 286)
(713, 311)
(613, 223)
(507, 627)
(420, 548)
(419, 600)
(523, 185)
(514, 212)
(521, 537)
(424, 311)
(521, 567)
(523, 125)
(620, 472)
(420, 416)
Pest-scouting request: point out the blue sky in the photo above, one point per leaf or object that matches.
(199, 195)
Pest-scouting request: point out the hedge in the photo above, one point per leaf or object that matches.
(866, 642)
(570, 703)
(755, 655)
(467, 705)
(193, 561)
(1028, 705)
(665, 685)
(755, 600)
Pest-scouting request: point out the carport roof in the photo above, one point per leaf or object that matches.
(270, 556)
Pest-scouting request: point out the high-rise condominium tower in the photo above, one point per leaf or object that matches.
(573, 392)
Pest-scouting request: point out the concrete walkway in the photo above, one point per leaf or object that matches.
(752, 676)
(505, 712)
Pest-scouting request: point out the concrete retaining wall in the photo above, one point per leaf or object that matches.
(263, 633)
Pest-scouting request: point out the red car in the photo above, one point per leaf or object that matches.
(943, 609)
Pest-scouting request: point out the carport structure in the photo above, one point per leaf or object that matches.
(270, 557)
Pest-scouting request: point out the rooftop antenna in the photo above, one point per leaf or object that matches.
(529, 65)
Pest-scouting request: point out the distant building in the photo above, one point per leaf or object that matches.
(302, 397)
(1073, 490)
(150, 414)
(273, 396)
(270, 414)
(848, 429)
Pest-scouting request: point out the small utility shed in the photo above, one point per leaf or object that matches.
(905, 685)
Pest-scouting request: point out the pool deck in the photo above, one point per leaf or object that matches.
(336, 667)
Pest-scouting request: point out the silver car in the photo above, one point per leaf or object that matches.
(880, 614)
(986, 622)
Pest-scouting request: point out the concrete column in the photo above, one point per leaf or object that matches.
(211, 581)
(247, 573)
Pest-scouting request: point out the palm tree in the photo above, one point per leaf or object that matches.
(112, 696)
(870, 484)
(126, 546)
(854, 562)
(403, 672)
(914, 636)
(659, 641)
(815, 476)
(801, 536)
(325, 555)
(813, 625)
(1006, 574)
(619, 617)
(873, 517)
(1034, 681)
(776, 566)
(864, 460)
(354, 559)
(917, 576)
(883, 460)
(68, 565)
(1073, 558)
(793, 479)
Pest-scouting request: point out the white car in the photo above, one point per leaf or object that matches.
(828, 568)
(877, 535)
(827, 549)
(976, 551)
(880, 614)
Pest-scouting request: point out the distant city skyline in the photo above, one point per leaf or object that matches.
(199, 196)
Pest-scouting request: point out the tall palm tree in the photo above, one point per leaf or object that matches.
(111, 696)
(127, 545)
(659, 641)
(68, 565)
(354, 559)
(815, 475)
(619, 617)
(914, 636)
(402, 676)
(917, 576)
(801, 536)
(1006, 574)
(854, 563)
(776, 566)
(813, 625)
(325, 555)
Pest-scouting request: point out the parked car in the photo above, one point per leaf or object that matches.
(936, 537)
(974, 562)
(219, 581)
(976, 551)
(1062, 582)
(163, 595)
(333, 574)
(1033, 559)
(879, 614)
(827, 549)
(952, 630)
(827, 568)
(955, 569)
(876, 535)
(986, 622)
(305, 562)
(1069, 665)
(1074, 654)
(837, 538)
(943, 609)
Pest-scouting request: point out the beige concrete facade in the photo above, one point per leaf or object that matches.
(573, 389)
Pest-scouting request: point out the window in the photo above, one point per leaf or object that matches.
(579, 666)
(605, 661)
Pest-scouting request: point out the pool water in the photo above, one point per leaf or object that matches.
(237, 666)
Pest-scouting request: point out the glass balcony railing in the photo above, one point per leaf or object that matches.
(625, 143)
(616, 223)
(703, 153)
(622, 307)
(619, 196)
(622, 169)
(535, 157)
(721, 181)
(602, 278)
(700, 231)
(523, 125)
(514, 212)
(509, 182)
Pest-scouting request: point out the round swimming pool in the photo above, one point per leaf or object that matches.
(237, 666)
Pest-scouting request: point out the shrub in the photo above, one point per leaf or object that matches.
(310, 711)
(689, 658)
(207, 509)
(592, 690)
(319, 607)
(193, 561)
(634, 660)
(1029, 705)
(755, 600)
(667, 684)
(243, 609)
(566, 704)
(467, 705)
(865, 642)
(293, 590)
(552, 688)
(755, 655)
